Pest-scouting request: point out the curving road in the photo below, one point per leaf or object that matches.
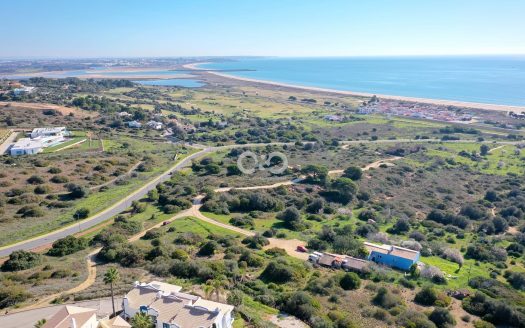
(122, 205)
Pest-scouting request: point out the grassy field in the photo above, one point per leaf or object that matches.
(502, 160)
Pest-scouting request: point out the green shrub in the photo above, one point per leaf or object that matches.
(21, 260)
(350, 281)
(67, 245)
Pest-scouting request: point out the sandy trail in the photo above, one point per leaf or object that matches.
(289, 245)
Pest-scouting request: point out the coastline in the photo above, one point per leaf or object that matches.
(441, 102)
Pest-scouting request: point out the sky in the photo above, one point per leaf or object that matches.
(172, 28)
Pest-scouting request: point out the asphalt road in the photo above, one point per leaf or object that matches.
(122, 205)
(119, 207)
(102, 216)
(8, 142)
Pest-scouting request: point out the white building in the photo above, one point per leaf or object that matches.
(49, 132)
(154, 125)
(172, 309)
(134, 124)
(73, 317)
(23, 90)
(124, 114)
(28, 146)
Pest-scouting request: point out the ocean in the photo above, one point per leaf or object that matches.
(491, 80)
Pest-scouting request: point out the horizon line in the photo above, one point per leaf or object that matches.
(20, 58)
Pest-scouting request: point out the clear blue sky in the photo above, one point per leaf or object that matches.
(131, 28)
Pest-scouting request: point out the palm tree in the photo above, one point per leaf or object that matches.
(217, 285)
(141, 320)
(40, 323)
(111, 277)
(208, 290)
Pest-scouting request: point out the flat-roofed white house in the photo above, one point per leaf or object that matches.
(49, 132)
(30, 146)
(170, 308)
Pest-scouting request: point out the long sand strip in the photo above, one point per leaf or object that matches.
(442, 102)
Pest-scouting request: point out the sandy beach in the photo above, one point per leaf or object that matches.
(442, 102)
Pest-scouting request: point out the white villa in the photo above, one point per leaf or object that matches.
(71, 316)
(154, 125)
(170, 308)
(49, 132)
(40, 138)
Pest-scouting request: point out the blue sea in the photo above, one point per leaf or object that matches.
(491, 80)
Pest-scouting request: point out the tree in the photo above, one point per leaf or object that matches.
(142, 320)
(345, 189)
(40, 323)
(76, 191)
(484, 150)
(350, 281)
(153, 195)
(81, 213)
(111, 277)
(317, 173)
(353, 172)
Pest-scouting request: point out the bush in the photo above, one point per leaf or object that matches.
(209, 248)
(67, 245)
(426, 296)
(12, 295)
(42, 189)
(76, 191)
(31, 211)
(516, 279)
(442, 318)
(59, 179)
(81, 213)
(353, 172)
(277, 272)
(350, 281)
(21, 260)
(35, 179)
(152, 234)
(256, 242)
(301, 305)
(385, 299)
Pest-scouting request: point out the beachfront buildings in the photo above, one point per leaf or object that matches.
(39, 139)
(392, 256)
(170, 308)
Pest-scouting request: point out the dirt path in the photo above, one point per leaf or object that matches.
(496, 148)
(90, 280)
(289, 245)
